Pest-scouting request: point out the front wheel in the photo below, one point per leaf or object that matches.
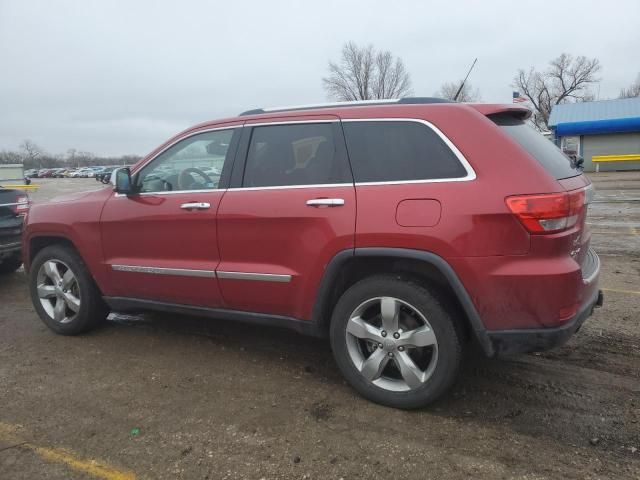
(64, 293)
(394, 342)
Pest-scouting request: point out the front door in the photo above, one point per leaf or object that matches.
(288, 212)
(161, 243)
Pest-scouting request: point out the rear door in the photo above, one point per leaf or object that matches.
(290, 209)
(161, 243)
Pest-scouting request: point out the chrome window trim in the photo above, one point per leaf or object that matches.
(471, 174)
(174, 192)
(185, 272)
(263, 277)
(289, 187)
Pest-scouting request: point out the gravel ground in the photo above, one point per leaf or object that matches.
(161, 396)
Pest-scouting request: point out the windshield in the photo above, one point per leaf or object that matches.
(543, 150)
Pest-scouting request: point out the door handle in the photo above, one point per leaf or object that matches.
(195, 206)
(326, 202)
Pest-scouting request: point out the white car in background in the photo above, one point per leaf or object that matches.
(83, 173)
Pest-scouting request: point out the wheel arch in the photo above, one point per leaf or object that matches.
(350, 266)
(38, 242)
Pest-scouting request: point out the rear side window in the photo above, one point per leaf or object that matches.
(382, 151)
(543, 150)
(297, 154)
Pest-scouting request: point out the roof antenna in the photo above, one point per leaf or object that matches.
(455, 99)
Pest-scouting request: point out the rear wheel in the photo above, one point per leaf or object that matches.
(64, 293)
(394, 342)
(11, 263)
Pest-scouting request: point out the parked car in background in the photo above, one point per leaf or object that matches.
(106, 176)
(83, 173)
(45, 172)
(14, 204)
(31, 173)
(101, 174)
(403, 231)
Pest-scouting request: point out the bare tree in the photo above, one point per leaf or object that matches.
(448, 90)
(7, 156)
(32, 152)
(567, 79)
(632, 91)
(71, 157)
(84, 158)
(364, 74)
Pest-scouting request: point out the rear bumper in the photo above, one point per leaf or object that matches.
(507, 342)
(10, 236)
(10, 248)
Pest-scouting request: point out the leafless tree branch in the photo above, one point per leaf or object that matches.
(567, 79)
(364, 74)
(448, 90)
(632, 91)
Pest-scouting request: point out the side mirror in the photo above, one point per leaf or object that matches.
(121, 180)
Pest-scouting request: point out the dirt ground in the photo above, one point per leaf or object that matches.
(161, 396)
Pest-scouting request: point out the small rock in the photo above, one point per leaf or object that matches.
(633, 449)
(333, 460)
(296, 459)
(594, 441)
(309, 369)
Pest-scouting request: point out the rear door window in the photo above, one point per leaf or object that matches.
(543, 150)
(296, 154)
(384, 151)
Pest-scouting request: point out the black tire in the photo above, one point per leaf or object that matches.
(92, 311)
(10, 264)
(449, 352)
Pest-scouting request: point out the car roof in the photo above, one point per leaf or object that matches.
(367, 109)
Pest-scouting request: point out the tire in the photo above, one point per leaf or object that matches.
(409, 371)
(82, 306)
(10, 264)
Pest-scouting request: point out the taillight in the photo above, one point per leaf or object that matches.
(548, 213)
(22, 204)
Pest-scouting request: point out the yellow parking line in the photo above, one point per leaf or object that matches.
(89, 466)
(632, 292)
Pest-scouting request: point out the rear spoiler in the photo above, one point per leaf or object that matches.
(489, 109)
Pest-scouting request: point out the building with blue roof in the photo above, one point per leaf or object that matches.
(605, 133)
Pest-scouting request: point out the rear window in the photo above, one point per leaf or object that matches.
(543, 150)
(399, 150)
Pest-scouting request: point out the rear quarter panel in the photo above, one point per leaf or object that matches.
(474, 219)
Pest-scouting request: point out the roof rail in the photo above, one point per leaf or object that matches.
(357, 103)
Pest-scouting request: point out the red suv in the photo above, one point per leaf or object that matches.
(403, 230)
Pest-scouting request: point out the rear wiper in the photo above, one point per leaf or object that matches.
(577, 161)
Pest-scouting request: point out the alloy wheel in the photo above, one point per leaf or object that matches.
(58, 291)
(391, 344)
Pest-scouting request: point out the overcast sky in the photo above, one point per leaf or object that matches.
(117, 77)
